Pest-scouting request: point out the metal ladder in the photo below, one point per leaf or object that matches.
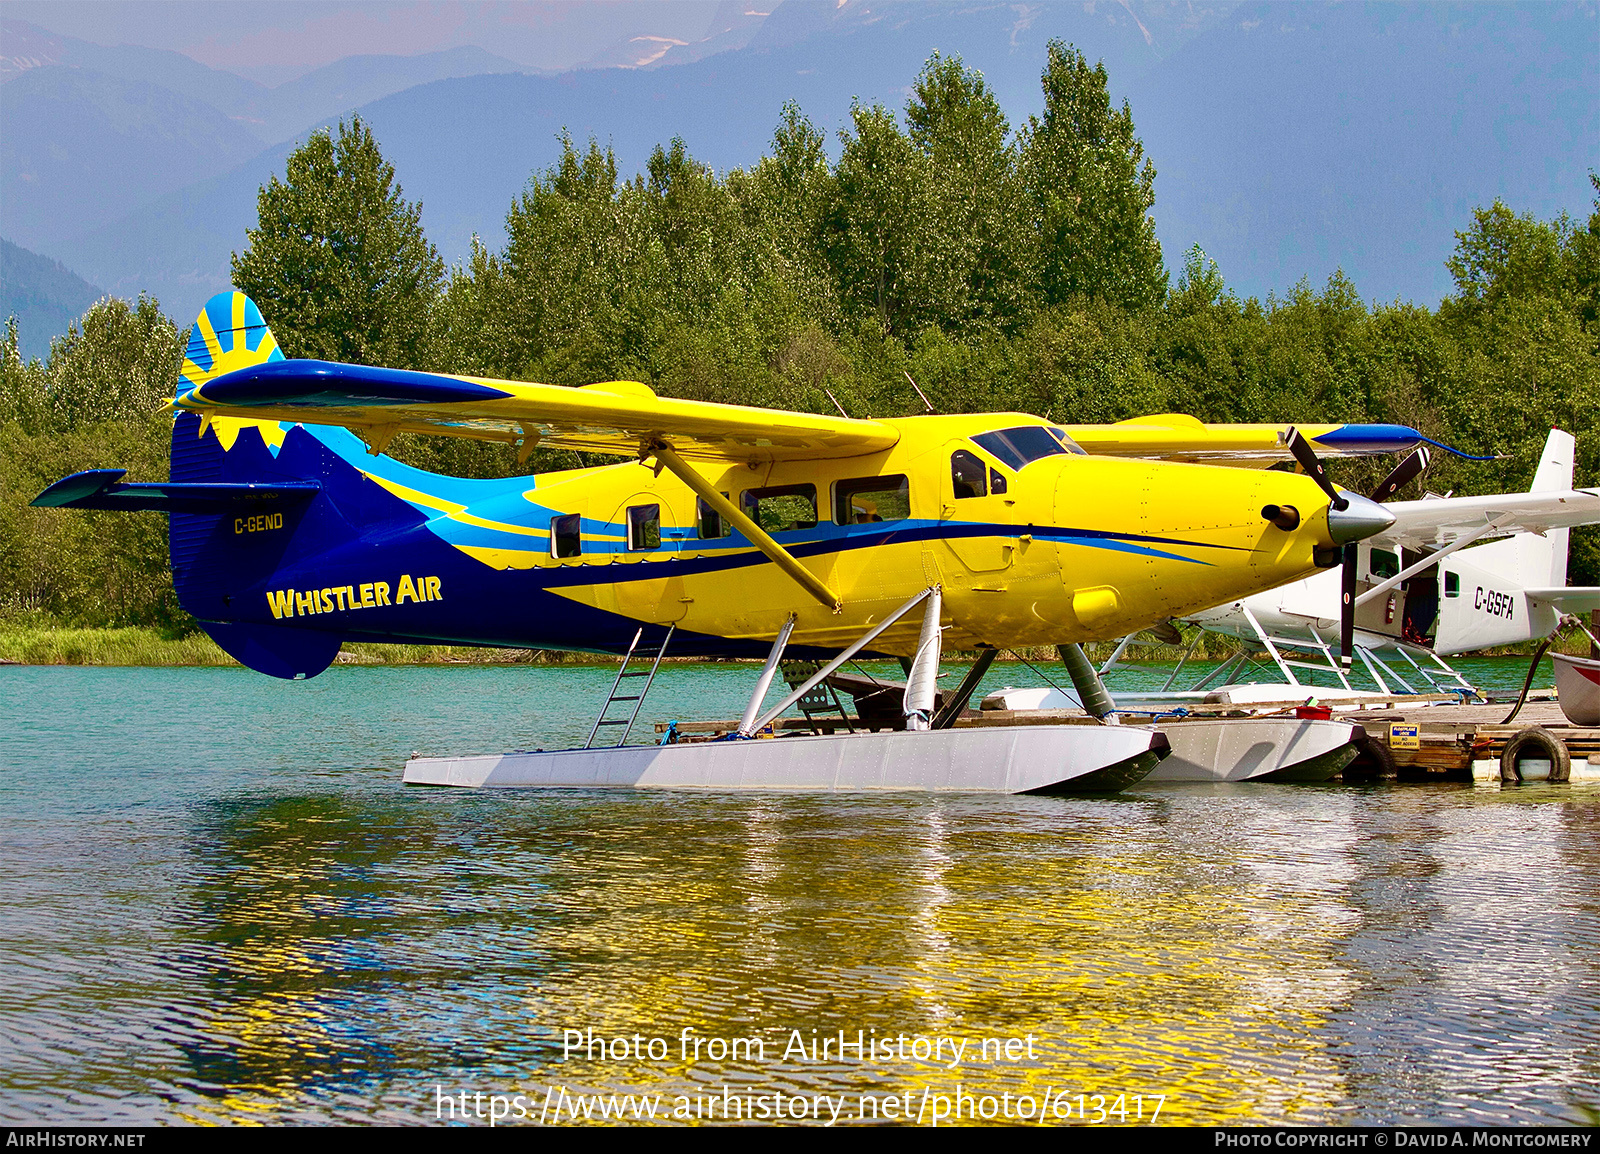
(822, 700)
(654, 657)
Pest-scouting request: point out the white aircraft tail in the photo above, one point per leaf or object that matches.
(1528, 559)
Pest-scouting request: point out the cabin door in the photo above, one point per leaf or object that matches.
(975, 511)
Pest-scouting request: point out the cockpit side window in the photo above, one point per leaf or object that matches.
(1067, 442)
(1384, 563)
(968, 474)
(1021, 446)
(709, 521)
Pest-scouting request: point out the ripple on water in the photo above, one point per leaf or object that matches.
(269, 930)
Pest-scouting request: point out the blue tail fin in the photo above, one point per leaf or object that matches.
(218, 555)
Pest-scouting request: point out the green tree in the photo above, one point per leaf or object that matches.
(338, 261)
(872, 222)
(24, 401)
(119, 362)
(976, 239)
(97, 403)
(1091, 189)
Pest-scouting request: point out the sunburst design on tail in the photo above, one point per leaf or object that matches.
(230, 334)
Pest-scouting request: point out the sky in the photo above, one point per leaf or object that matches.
(276, 40)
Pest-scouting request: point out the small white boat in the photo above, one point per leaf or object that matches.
(1040, 759)
(1578, 688)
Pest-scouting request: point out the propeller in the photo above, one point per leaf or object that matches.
(1347, 605)
(1307, 456)
(1401, 475)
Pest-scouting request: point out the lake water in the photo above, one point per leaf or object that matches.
(221, 905)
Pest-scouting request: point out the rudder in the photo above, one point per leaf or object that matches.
(208, 563)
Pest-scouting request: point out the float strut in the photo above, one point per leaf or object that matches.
(922, 680)
(764, 682)
(957, 701)
(1091, 690)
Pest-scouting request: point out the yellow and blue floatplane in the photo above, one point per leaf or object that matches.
(734, 531)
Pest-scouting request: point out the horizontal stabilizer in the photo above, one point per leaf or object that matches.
(1569, 599)
(105, 489)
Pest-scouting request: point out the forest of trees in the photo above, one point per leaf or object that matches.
(1003, 267)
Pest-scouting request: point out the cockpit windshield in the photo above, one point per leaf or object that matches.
(1067, 442)
(1023, 445)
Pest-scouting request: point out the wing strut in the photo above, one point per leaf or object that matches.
(756, 535)
(1429, 559)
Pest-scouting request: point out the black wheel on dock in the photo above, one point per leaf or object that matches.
(1535, 744)
(1373, 761)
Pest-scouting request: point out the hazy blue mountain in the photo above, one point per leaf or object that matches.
(1297, 139)
(466, 147)
(1289, 140)
(357, 80)
(270, 114)
(43, 295)
(25, 46)
(80, 149)
(733, 25)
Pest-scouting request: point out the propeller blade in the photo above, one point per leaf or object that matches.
(1402, 474)
(1347, 606)
(1307, 456)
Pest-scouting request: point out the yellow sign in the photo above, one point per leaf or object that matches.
(1404, 737)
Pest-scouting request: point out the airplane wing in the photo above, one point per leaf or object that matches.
(1436, 521)
(1570, 599)
(613, 417)
(1177, 437)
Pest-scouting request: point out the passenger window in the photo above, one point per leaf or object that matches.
(871, 499)
(565, 535)
(968, 475)
(1384, 563)
(710, 521)
(781, 508)
(997, 481)
(644, 527)
(1452, 584)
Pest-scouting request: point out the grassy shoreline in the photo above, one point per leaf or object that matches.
(38, 644)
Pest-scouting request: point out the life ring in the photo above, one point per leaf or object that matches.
(1535, 743)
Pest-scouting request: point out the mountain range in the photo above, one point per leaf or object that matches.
(1289, 140)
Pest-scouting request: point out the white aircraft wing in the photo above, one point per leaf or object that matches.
(1436, 521)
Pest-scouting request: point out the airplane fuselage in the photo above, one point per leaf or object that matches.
(1032, 545)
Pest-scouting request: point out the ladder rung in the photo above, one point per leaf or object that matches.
(635, 697)
(637, 673)
(618, 721)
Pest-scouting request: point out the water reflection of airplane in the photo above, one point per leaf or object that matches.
(731, 531)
